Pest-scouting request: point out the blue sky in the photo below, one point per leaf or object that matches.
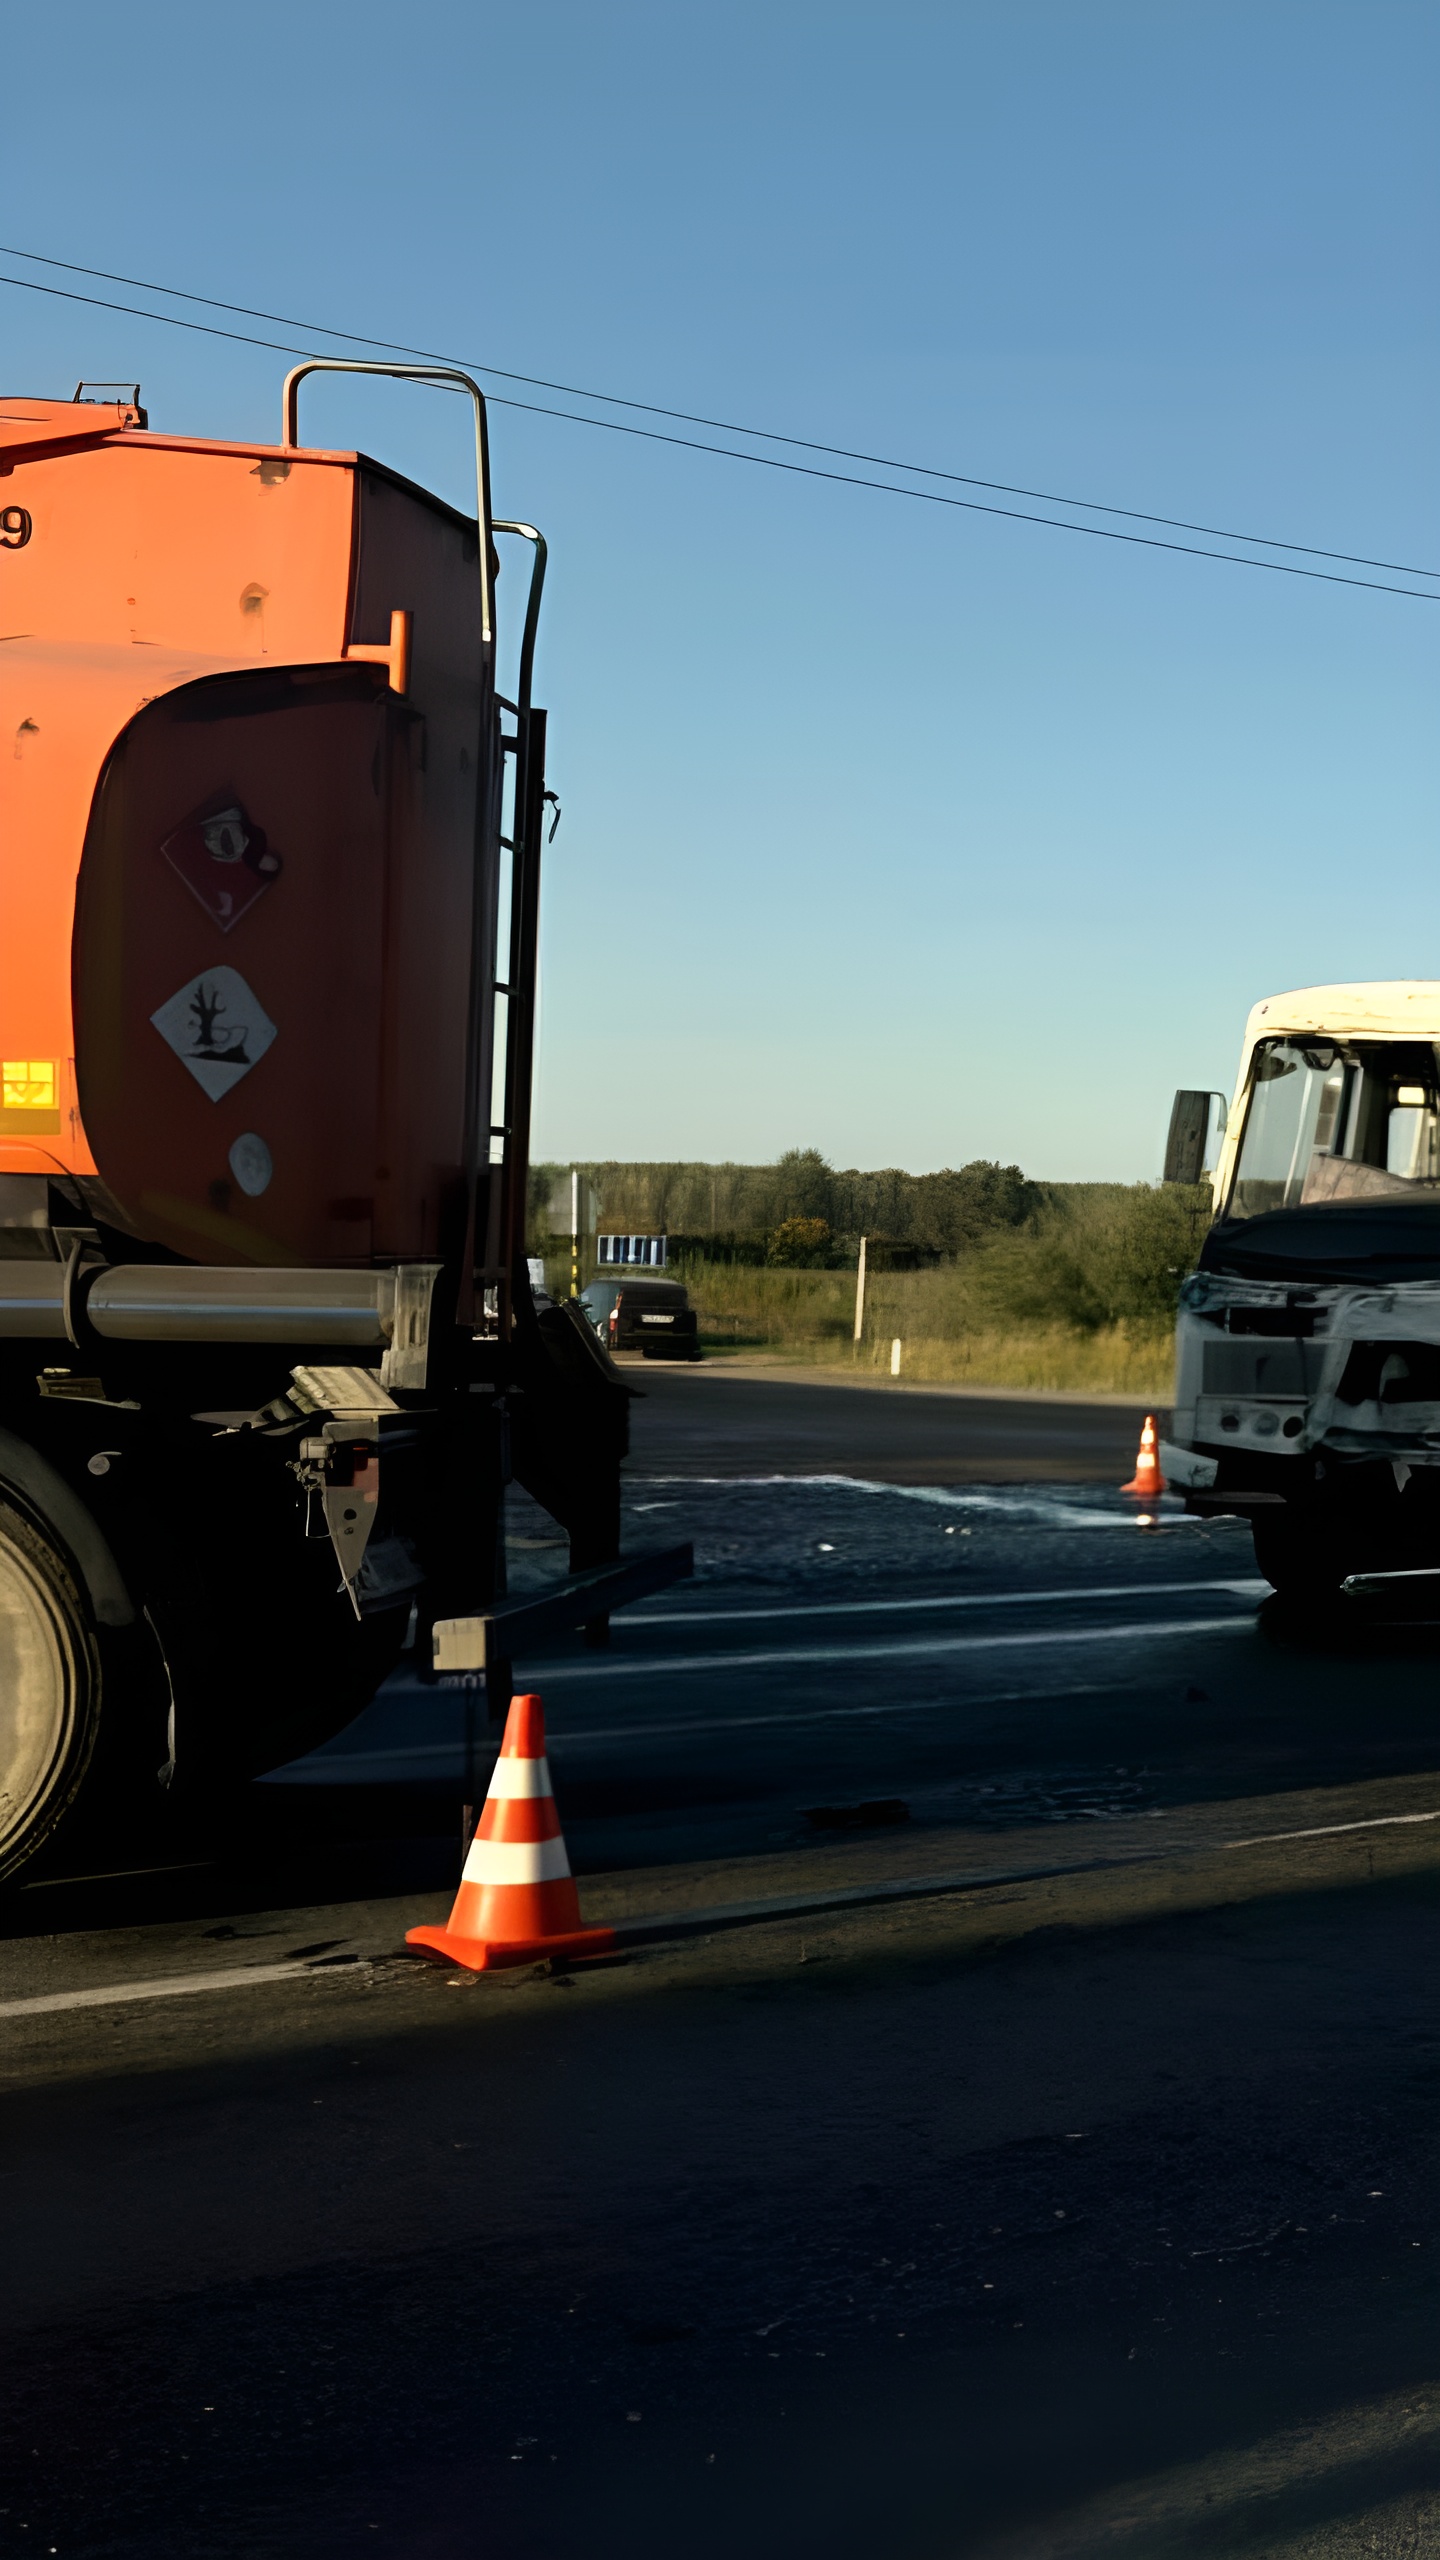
(909, 834)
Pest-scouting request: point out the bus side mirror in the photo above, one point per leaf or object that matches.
(1185, 1144)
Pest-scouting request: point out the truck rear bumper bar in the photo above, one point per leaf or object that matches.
(522, 1626)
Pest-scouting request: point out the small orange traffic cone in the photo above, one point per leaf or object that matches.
(1147, 1478)
(517, 1899)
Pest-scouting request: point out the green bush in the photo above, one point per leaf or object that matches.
(800, 1244)
(1103, 1256)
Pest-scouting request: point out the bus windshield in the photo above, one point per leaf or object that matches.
(1331, 1120)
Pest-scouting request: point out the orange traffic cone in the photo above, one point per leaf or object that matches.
(1147, 1478)
(517, 1898)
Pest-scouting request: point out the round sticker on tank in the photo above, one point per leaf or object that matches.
(251, 1164)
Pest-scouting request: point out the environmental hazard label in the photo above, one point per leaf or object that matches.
(217, 1028)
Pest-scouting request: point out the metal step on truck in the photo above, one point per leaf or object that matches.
(1307, 1386)
(269, 896)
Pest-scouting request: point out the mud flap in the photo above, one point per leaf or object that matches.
(570, 1429)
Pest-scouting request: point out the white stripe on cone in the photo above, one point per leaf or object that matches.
(520, 1778)
(515, 1861)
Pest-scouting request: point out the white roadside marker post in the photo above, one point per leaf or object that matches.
(860, 1291)
(895, 1357)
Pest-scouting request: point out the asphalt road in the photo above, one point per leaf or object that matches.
(1007, 2127)
(730, 1418)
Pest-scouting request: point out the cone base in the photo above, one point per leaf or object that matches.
(486, 1955)
(1155, 1487)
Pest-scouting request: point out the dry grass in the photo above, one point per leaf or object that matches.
(1117, 1360)
(947, 1333)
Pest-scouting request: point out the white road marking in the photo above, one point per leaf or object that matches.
(1026, 1506)
(331, 1765)
(446, 1754)
(811, 1715)
(119, 1875)
(170, 1986)
(449, 1752)
(239, 1977)
(651, 1666)
(973, 1880)
(1327, 1830)
(1251, 1588)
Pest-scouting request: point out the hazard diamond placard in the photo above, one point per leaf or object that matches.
(217, 1027)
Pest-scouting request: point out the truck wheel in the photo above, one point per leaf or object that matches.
(49, 1689)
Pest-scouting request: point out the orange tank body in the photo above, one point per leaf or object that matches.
(249, 712)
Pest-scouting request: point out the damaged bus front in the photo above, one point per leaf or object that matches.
(1307, 1389)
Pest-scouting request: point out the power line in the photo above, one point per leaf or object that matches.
(758, 461)
(972, 506)
(723, 426)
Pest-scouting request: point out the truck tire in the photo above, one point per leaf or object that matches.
(49, 1689)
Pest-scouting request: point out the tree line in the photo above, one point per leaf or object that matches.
(1084, 1254)
(757, 1212)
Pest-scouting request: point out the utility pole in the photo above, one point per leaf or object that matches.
(860, 1292)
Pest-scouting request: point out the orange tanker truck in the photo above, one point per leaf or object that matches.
(269, 877)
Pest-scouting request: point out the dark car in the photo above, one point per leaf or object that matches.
(651, 1316)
